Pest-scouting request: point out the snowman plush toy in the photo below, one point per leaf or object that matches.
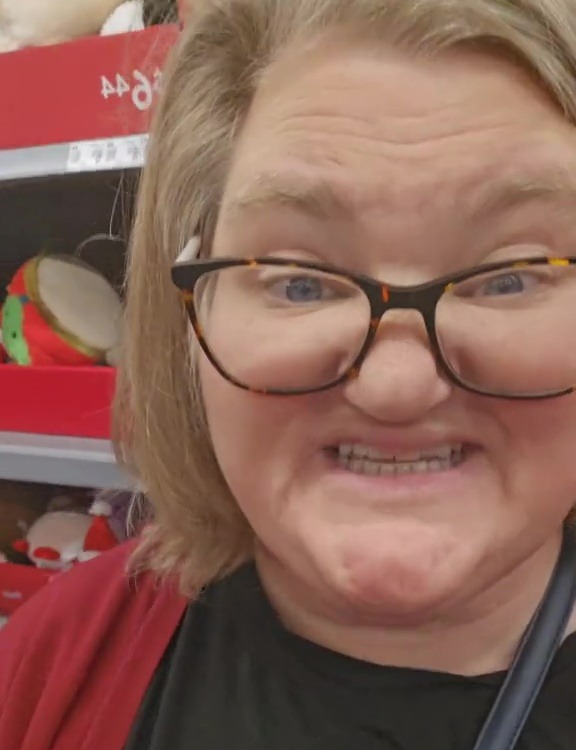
(135, 15)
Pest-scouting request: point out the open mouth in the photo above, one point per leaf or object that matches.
(360, 459)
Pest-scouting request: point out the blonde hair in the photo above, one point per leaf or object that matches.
(197, 531)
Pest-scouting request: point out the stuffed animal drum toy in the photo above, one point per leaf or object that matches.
(61, 311)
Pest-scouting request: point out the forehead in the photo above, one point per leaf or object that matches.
(352, 128)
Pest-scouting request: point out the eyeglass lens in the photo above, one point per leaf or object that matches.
(510, 331)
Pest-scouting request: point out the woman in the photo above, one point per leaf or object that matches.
(361, 463)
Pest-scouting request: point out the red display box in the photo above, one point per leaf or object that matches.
(72, 401)
(92, 88)
(18, 583)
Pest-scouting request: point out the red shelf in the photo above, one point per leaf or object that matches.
(69, 401)
(98, 87)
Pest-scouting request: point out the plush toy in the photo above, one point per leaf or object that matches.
(25, 23)
(60, 311)
(63, 537)
(21, 503)
(120, 505)
(135, 15)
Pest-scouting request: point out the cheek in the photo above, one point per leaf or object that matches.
(254, 439)
(541, 458)
(228, 413)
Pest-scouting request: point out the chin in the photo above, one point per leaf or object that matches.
(391, 575)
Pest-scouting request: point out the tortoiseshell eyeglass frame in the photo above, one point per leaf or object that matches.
(381, 296)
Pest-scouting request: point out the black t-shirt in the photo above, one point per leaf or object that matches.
(234, 679)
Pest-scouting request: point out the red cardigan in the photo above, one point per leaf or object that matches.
(76, 660)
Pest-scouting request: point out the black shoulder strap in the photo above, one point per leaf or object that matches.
(528, 671)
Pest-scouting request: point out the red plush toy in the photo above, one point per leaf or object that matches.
(61, 311)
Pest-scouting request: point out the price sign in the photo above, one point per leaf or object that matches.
(107, 87)
(140, 87)
(107, 154)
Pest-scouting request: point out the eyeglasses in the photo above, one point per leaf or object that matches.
(278, 326)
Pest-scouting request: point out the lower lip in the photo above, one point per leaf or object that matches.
(410, 483)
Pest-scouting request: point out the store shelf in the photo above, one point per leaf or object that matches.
(69, 170)
(79, 157)
(103, 87)
(78, 462)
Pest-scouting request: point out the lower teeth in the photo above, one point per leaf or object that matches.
(377, 468)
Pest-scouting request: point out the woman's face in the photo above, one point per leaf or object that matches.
(403, 170)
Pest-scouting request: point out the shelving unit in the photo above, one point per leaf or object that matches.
(69, 165)
(78, 157)
(78, 462)
(74, 126)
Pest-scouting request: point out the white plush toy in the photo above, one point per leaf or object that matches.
(25, 23)
(127, 17)
(61, 538)
(135, 15)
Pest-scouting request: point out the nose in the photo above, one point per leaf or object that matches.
(399, 381)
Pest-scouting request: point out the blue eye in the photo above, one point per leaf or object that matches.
(513, 284)
(297, 287)
(303, 289)
(510, 283)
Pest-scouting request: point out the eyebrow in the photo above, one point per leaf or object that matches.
(548, 186)
(320, 199)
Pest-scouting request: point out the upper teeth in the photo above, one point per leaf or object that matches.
(364, 452)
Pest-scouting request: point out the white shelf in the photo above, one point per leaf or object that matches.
(80, 157)
(78, 462)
